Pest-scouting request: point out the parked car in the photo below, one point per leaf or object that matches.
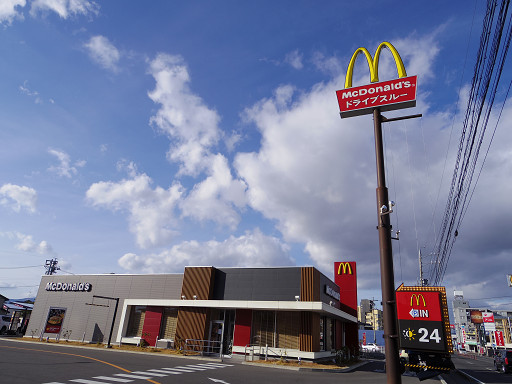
(5, 323)
(371, 347)
(503, 360)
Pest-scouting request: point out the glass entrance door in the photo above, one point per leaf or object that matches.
(216, 336)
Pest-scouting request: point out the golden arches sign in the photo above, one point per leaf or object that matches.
(373, 63)
(344, 268)
(418, 296)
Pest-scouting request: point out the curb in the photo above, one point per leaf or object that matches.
(301, 369)
(122, 351)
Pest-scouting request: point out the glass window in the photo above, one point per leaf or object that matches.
(288, 324)
(263, 328)
(322, 333)
(169, 321)
(136, 321)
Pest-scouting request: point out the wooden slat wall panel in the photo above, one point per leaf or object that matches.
(191, 324)
(309, 284)
(198, 281)
(309, 336)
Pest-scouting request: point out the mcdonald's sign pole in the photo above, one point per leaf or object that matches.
(374, 98)
(387, 277)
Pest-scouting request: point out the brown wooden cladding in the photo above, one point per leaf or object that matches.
(309, 284)
(191, 324)
(198, 281)
(309, 337)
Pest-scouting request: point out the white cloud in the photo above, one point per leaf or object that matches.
(314, 173)
(27, 91)
(329, 65)
(191, 126)
(216, 197)
(294, 58)
(10, 10)
(65, 168)
(26, 243)
(18, 197)
(151, 211)
(65, 8)
(103, 52)
(253, 249)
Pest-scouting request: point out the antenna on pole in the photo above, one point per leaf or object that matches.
(423, 282)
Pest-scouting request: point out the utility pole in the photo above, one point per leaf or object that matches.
(51, 267)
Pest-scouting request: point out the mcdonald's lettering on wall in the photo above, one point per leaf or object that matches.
(388, 95)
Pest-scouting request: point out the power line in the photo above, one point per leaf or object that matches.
(491, 55)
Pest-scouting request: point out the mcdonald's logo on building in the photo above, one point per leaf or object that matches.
(418, 296)
(344, 268)
(387, 95)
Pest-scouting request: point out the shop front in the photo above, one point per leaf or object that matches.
(293, 311)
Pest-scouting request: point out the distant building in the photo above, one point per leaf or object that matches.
(480, 330)
(368, 316)
(374, 319)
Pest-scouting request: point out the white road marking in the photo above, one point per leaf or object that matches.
(150, 374)
(113, 379)
(131, 376)
(191, 367)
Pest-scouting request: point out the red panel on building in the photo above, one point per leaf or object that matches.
(345, 277)
(151, 327)
(242, 335)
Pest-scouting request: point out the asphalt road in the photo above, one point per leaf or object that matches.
(41, 363)
(481, 369)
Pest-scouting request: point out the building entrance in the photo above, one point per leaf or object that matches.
(221, 332)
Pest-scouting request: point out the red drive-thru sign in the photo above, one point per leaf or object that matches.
(423, 319)
(387, 95)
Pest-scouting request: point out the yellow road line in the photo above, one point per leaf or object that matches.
(73, 354)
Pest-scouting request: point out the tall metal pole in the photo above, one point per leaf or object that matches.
(386, 262)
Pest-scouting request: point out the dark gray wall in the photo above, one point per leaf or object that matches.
(279, 284)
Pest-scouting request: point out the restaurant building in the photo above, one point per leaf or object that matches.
(292, 311)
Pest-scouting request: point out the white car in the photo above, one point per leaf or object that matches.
(5, 323)
(371, 347)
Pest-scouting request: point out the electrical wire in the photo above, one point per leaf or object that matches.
(481, 99)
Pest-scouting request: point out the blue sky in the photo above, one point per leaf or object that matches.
(142, 137)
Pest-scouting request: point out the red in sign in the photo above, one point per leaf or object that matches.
(418, 305)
